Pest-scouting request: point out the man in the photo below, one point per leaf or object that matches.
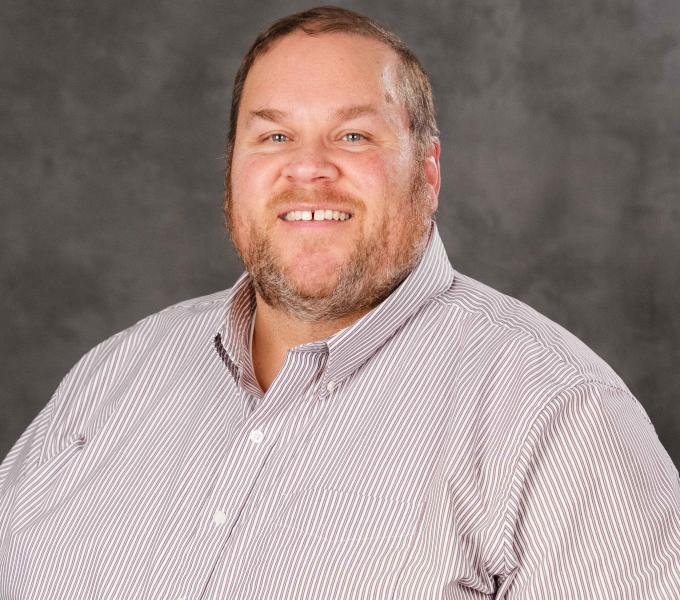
(353, 419)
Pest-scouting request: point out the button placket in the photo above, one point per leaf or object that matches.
(256, 436)
(245, 470)
(219, 518)
(253, 450)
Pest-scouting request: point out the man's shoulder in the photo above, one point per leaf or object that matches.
(180, 325)
(507, 365)
(194, 313)
(162, 345)
(194, 307)
(494, 320)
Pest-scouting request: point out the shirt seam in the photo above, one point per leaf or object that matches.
(194, 303)
(513, 488)
(578, 372)
(104, 346)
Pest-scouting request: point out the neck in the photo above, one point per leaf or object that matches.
(276, 332)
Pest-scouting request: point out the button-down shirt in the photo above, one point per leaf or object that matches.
(450, 444)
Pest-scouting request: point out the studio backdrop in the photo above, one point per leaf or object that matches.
(560, 128)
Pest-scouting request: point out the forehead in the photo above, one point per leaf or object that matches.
(321, 71)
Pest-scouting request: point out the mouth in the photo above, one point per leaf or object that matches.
(315, 215)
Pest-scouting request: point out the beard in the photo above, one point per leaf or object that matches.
(370, 274)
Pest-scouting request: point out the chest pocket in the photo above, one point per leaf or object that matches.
(335, 517)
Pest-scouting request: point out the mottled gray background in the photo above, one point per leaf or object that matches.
(561, 159)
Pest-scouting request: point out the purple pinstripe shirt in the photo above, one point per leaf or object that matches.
(451, 444)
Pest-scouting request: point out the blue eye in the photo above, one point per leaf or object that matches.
(353, 137)
(278, 137)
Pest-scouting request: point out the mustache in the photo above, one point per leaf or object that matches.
(327, 196)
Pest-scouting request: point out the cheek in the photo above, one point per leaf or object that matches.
(375, 168)
(381, 171)
(239, 229)
(370, 177)
(252, 175)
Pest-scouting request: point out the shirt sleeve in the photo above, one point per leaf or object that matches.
(22, 459)
(594, 511)
(26, 451)
(64, 414)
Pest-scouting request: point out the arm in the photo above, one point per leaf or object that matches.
(594, 511)
(23, 458)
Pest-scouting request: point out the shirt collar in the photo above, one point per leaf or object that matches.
(233, 338)
(351, 347)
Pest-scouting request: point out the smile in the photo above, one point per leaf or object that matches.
(316, 215)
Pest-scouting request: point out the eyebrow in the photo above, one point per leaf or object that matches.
(358, 110)
(267, 114)
(343, 114)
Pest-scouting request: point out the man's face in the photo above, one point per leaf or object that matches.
(328, 206)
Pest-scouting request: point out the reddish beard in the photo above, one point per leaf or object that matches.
(367, 277)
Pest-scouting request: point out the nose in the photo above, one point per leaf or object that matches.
(310, 165)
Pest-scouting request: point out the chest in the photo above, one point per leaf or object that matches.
(310, 495)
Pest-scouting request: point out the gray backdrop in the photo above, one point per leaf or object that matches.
(561, 170)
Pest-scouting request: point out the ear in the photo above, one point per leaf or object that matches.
(432, 172)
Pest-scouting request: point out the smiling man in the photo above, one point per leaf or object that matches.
(329, 197)
(354, 418)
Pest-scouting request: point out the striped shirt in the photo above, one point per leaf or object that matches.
(451, 444)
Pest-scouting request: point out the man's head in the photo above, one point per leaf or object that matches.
(332, 116)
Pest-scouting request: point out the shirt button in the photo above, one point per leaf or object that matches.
(330, 386)
(220, 518)
(256, 436)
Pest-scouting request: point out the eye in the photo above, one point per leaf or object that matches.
(278, 137)
(353, 137)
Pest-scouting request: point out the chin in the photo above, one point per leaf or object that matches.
(313, 283)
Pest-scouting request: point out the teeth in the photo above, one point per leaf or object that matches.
(317, 215)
